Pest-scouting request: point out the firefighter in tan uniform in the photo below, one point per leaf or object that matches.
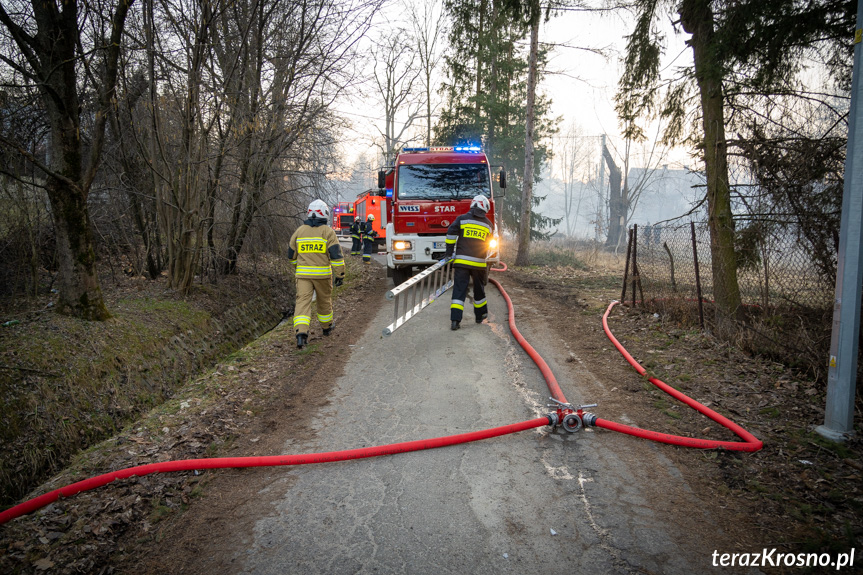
(317, 255)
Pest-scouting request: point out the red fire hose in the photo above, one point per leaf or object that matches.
(263, 461)
(750, 442)
(550, 380)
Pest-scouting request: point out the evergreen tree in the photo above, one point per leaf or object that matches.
(485, 94)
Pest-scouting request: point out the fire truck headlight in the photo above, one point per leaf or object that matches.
(493, 243)
(402, 245)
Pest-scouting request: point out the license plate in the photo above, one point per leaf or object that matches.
(439, 245)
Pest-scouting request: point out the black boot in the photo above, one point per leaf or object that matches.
(302, 340)
(329, 330)
(455, 325)
(482, 317)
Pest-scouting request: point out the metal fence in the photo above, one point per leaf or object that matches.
(788, 304)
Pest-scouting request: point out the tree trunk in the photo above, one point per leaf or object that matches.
(615, 200)
(181, 204)
(522, 258)
(698, 19)
(491, 106)
(479, 62)
(53, 58)
(78, 283)
(152, 147)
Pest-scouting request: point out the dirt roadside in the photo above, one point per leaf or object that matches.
(263, 396)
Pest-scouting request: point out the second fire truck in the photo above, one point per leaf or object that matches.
(370, 202)
(343, 217)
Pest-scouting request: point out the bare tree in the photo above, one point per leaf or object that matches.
(65, 51)
(615, 207)
(651, 156)
(573, 162)
(626, 192)
(396, 74)
(250, 92)
(428, 22)
(180, 132)
(293, 64)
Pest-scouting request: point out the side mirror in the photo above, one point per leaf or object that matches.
(502, 179)
(382, 179)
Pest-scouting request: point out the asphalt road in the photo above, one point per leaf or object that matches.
(532, 502)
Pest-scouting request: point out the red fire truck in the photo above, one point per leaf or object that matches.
(371, 202)
(429, 188)
(343, 217)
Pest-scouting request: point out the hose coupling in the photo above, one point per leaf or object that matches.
(572, 422)
(589, 419)
(553, 419)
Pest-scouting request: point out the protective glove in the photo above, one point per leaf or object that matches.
(338, 281)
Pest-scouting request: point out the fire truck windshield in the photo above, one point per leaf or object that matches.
(442, 181)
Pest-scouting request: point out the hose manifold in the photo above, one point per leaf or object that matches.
(571, 417)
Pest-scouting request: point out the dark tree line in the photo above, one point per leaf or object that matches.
(184, 133)
(179, 131)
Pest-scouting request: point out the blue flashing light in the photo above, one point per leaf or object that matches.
(467, 148)
(389, 192)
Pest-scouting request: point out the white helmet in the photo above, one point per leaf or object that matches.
(371, 217)
(481, 202)
(318, 209)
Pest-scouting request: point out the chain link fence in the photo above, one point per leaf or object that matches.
(788, 304)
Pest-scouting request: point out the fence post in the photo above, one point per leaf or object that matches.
(626, 268)
(671, 261)
(634, 261)
(697, 277)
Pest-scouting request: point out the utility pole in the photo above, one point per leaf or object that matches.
(845, 338)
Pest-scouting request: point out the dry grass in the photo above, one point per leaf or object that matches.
(575, 254)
